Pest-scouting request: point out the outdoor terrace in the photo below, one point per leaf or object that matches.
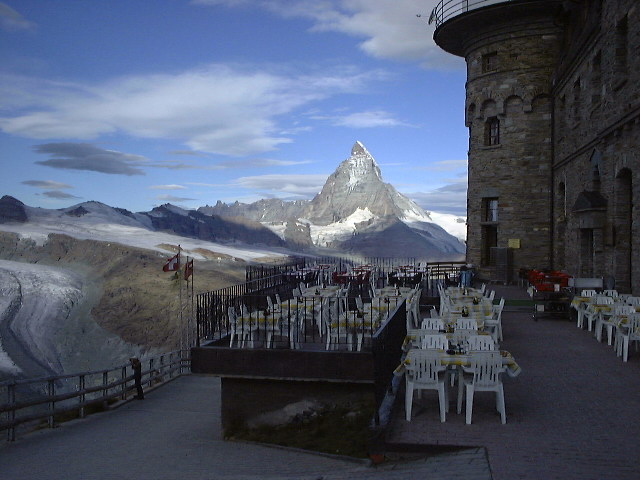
(336, 322)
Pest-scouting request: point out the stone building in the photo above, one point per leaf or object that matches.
(553, 111)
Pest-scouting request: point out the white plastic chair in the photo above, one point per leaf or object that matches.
(436, 341)
(588, 293)
(635, 301)
(486, 367)
(481, 343)
(274, 308)
(241, 327)
(336, 325)
(466, 323)
(627, 334)
(425, 371)
(494, 324)
(610, 293)
(413, 312)
(591, 316)
(432, 324)
(289, 327)
(611, 320)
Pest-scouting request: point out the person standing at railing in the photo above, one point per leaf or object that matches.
(137, 377)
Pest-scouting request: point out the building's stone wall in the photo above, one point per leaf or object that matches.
(517, 171)
(596, 115)
(582, 62)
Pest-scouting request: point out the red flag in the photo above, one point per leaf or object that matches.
(188, 269)
(173, 264)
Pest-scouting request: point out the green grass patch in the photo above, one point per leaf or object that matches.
(518, 303)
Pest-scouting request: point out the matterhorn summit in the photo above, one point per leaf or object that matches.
(355, 186)
(356, 212)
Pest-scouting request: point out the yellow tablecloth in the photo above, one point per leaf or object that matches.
(464, 360)
(480, 309)
(258, 319)
(412, 339)
(577, 301)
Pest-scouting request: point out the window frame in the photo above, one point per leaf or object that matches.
(492, 132)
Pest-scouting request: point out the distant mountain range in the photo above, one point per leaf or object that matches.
(355, 213)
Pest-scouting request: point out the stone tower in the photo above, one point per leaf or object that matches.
(511, 49)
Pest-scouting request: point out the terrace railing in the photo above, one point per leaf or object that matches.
(51, 400)
(249, 301)
(247, 321)
(447, 9)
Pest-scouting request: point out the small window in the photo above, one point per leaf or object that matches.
(621, 53)
(492, 131)
(577, 88)
(596, 78)
(490, 62)
(490, 210)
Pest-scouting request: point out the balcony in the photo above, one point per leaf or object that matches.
(447, 9)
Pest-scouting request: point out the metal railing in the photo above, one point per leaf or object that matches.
(50, 400)
(451, 8)
(213, 321)
(310, 323)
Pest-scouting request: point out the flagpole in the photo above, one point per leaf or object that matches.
(180, 326)
(193, 320)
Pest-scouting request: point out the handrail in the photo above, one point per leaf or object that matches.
(31, 399)
(451, 8)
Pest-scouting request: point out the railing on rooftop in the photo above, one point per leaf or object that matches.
(248, 301)
(447, 9)
(47, 401)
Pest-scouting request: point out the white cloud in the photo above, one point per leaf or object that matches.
(88, 157)
(167, 187)
(11, 20)
(446, 166)
(370, 119)
(215, 109)
(172, 198)
(390, 28)
(47, 184)
(299, 185)
(450, 198)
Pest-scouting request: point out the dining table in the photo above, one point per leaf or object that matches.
(462, 359)
(413, 338)
(327, 291)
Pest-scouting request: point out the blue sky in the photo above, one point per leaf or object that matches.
(140, 103)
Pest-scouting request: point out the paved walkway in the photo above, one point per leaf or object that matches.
(175, 434)
(573, 413)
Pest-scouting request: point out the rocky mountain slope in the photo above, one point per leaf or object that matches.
(120, 304)
(356, 212)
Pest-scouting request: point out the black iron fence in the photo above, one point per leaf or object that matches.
(342, 318)
(447, 9)
(243, 312)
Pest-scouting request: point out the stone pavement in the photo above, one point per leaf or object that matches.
(175, 434)
(573, 413)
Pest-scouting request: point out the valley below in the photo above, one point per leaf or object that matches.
(71, 305)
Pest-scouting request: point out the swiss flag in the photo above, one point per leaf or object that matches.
(188, 269)
(173, 264)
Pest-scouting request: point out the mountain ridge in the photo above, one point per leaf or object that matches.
(353, 203)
